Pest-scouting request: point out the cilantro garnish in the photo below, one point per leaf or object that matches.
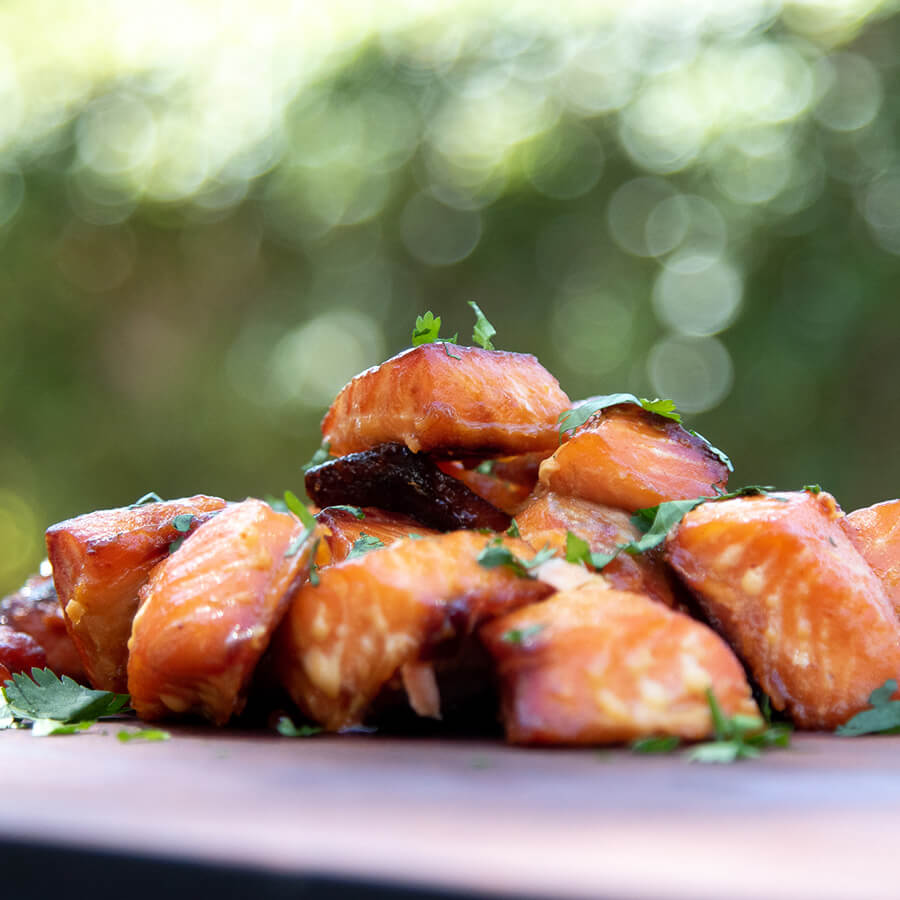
(151, 497)
(298, 508)
(812, 488)
(483, 331)
(353, 510)
(662, 744)
(286, 728)
(64, 701)
(428, 330)
(495, 555)
(321, 455)
(521, 635)
(363, 544)
(414, 537)
(181, 524)
(143, 734)
(882, 718)
(513, 530)
(486, 467)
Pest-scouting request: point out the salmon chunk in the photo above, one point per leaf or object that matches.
(344, 527)
(781, 581)
(34, 609)
(601, 666)
(208, 612)
(370, 617)
(100, 561)
(547, 518)
(875, 532)
(440, 397)
(506, 495)
(19, 652)
(629, 458)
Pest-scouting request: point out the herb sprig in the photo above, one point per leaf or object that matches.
(495, 554)
(364, 544)
(882, 718)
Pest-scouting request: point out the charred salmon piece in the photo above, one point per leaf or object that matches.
(208, 612)
(875, 532)
(548, 517)
(382, 614)
(34, 610)
(344, 527)
(780, 580)
(601, 666)
(505, 495)
(19, 652)
(393, 478)
(100, 561)
(438, 397)
(629, 458)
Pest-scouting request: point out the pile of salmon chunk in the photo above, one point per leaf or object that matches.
(476, 554)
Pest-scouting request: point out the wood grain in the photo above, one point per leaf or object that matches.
(818, 820)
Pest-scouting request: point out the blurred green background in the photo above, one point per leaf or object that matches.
(213, 214)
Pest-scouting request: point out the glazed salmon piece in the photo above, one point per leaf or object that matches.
(382, 614)
(343, 528)
(875, 532)
(34, 609)
(629, 458)
(100, 561)
(19, 652)
(780, 580)
(547, 518)
(436, 397)
(506, 495)
(600, 666)
(208, 612)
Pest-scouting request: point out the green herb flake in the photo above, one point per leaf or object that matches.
(51, 727)
(664, 408)
(299, 509)
(486, 467)
(513, 530)
(427, 330)
(483, 331)
(364, 544)
(495, 554)
(354, 511)
(286, 728)
(415, 537)
(882, 718)
(661, 744)
(812, 488)
(151, 497)
(144, 734)
(174, 545)
(521, 635)
(45, 696)
(183, 522)
(320, 456)
(578, 550)
(7, 719)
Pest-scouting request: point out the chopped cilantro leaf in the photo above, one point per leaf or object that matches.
(486, 467)
(353, 510)
(521, 635)
(577, 549)
(882, 718)
(483, 331)
(427, 330)
(363, 544)
(151, 497)
(321, 455)
(44, 696)
(662, 744)
(578, 415)
(299, 509)
(286, 728)
(513, 530)
(414, 537)
(7, 719)
(812, 488)
(664, 408)
(144, 734)
(495, 555)
(48, 727)
(183, 522)
(174, 545)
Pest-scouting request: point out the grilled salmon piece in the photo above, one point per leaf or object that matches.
(629, 458)
(781, 581)
(343, 528)
(600, 666)
(547, 518)
(506, 495)
(208, 612)
(34, 610)
(19, 652)
(380, 615)
(438, 397)
(875, 532)
(100, 561)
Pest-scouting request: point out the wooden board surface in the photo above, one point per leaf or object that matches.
(820, 820)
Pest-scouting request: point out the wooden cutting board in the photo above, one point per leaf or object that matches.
(820, 820)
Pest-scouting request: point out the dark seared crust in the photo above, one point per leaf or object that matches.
(391, 477)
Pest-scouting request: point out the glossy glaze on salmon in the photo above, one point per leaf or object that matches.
(631, 459)
(34, 609)
(505, 495)
(343, 528)
(780, 580)
(441, 397)
(875, 532)
(391, 477)
(601, 666)
(208, 612)
(19, 652)
(547, 518)
(369, 617)
(100, 561)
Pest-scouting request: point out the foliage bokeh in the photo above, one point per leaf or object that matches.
(209, 221)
